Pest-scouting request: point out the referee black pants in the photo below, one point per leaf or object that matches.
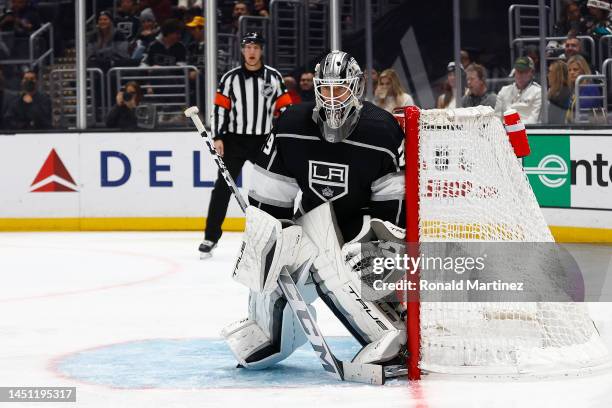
(237, 150)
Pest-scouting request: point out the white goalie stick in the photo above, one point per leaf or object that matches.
(341, 370)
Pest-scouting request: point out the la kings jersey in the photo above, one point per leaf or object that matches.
(364, 174)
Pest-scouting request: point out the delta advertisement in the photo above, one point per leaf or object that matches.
(109, 180)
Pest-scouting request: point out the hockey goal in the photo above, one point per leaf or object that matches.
(471, 187)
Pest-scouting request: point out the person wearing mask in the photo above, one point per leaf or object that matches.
(478, 94)
(524, 95)
(123, 114)
(30, 110)
(389, 93)
(307, 86)
(559, 93)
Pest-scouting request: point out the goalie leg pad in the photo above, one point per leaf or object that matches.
(271, 333)
(368, 321)
(254, 349)
(265, 249)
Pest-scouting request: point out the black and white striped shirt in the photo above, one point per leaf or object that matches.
(246, 101)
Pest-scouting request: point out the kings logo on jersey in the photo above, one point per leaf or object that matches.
(329, 181)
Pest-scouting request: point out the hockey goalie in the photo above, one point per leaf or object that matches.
(346, 158)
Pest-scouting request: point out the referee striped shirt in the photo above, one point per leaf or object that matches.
(246, 101)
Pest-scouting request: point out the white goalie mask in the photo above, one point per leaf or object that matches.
(338, 86)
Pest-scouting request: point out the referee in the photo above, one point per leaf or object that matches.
(245, 102)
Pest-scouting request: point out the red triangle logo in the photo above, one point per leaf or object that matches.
(53, 166)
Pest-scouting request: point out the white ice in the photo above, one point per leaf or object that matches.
(65, 292)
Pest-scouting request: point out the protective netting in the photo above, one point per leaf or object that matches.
(472, 188)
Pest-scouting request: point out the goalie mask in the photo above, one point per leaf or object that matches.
(338, 85)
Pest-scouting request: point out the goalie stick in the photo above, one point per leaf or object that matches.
(341, 370)
(192, 113)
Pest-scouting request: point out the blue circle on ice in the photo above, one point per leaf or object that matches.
(196, 363)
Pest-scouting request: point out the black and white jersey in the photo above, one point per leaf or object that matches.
(128, 24)
(159, 54)
(364, 174)
(246, 101)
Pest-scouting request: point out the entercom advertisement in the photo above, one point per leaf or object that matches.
(571, 176)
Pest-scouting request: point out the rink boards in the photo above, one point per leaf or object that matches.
(163, 181)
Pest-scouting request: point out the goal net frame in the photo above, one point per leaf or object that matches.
(595, 354)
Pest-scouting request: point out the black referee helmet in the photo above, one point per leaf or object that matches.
(252, 38)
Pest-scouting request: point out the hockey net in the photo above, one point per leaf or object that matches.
(471, 187)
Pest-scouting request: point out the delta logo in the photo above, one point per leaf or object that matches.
(53, 177)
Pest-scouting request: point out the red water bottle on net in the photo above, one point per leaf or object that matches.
(516, 133)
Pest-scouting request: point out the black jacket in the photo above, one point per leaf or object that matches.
(23, 116)
(122, 117)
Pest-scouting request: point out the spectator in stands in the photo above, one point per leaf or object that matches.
(107, 47)
(123, 114)
(524, 95)
(21, 18)
(167, 50)
(449, 93)
(148, 32)
(478, 94)
(30, 110)
(571, 20)
(261, 8)
(559, 94)
(597, 23)
(162, 9)
(577, 66)
(307, 87)
(196, 49)
(240, 9)
(389, 93)
(126, 21)
(292, 89)
(572, 46)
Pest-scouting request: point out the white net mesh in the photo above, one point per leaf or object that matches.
(472, 188)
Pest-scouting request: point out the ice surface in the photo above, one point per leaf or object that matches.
(133, 320)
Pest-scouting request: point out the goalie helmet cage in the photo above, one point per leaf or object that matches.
(471, 187)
